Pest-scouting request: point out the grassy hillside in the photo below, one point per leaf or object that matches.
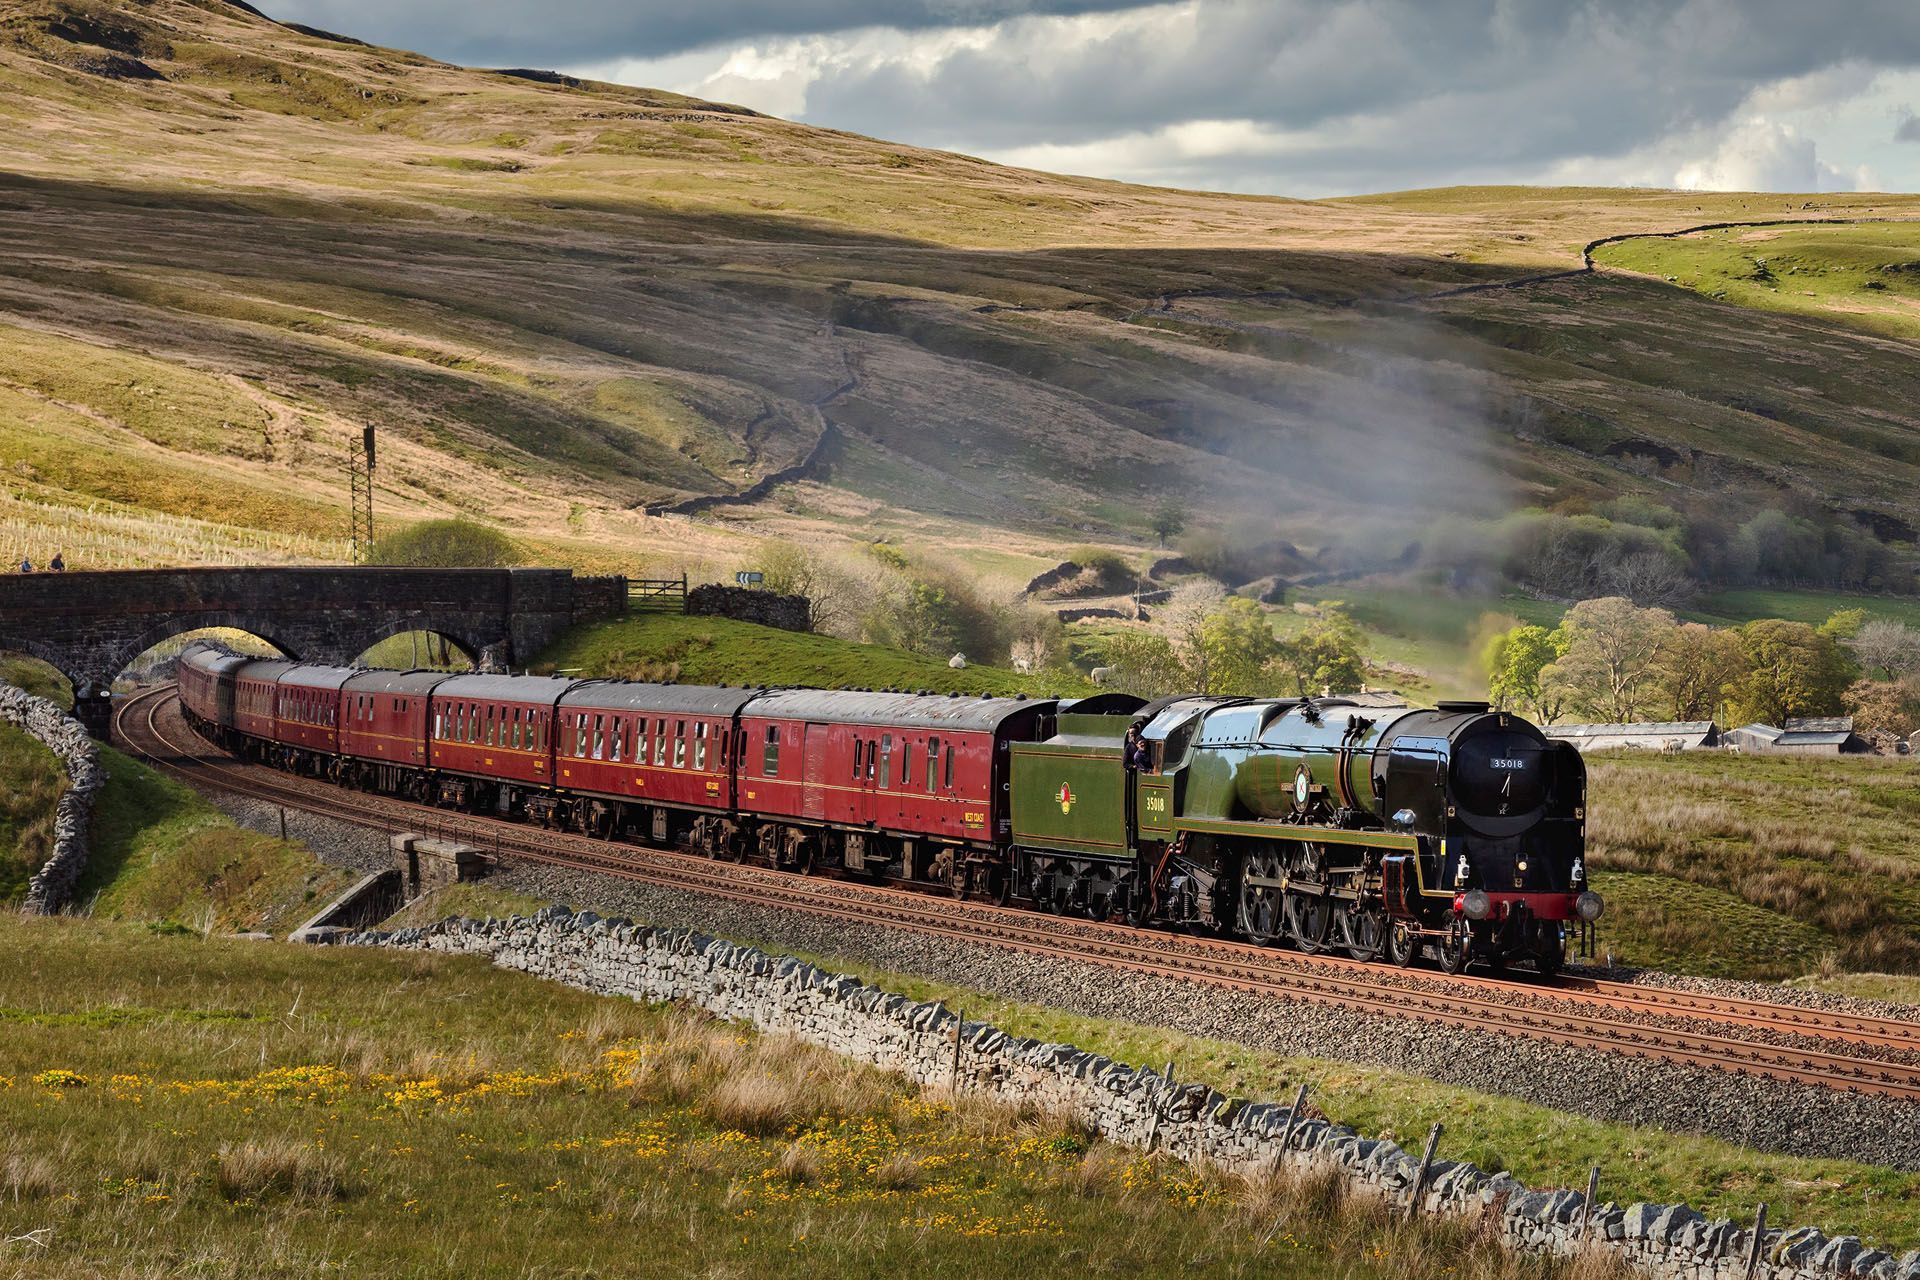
(1754, 866)
(226, 245)
(259, 1115)
(722, 651)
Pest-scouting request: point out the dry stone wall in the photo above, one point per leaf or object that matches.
(1126, 1104)
(67, 738)
(769, 609)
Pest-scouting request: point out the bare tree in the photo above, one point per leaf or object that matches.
(1886, 646)
(1649, 578)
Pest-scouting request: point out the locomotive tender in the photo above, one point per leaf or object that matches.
(1377, 832)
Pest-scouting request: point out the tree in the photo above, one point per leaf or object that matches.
(1169, 520)
(457, 543)
(1612, 646)
(1693, 674)
(1145, 664)
(1329, 655)
(1844, 625)
(1184, 622)
(1514, 661)
(1237, 641)
(916, 616)
(1792, 669)
(837, 595)
(1889, 706)
(1891, 648)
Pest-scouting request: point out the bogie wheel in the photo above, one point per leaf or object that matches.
(1456, 948)
(1403, 944)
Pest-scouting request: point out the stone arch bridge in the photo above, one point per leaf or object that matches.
(90, 626)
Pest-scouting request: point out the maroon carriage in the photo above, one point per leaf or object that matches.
(208, 688)
(256, 697)
(496, 731)
(307, 708)
(383, 727)
(656, 754)
(914, 781)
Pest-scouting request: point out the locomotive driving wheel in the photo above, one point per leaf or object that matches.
(1263, 917)
(1363, 932)
(1309, 918)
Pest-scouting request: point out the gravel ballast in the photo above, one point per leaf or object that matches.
(1766, 1115)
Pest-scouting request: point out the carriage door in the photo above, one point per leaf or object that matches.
(813, 788)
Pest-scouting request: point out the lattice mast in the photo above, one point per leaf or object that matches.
(360, 495)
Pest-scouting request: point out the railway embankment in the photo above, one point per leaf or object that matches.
(1129, 1105)
(52, 884)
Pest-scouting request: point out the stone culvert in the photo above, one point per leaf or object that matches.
(51, 885)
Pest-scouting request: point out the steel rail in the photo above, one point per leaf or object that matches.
(1581, 1013)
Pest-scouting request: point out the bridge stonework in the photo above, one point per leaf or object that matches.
(92, 625)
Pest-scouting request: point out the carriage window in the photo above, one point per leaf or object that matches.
(599, 737)
(659, 742)
(933, 763)
(949, 766)
(490, 736)
(906, 763)
(619, 731)
(580, 736)
(439, 724)
(679, 744)
(700, 745)
(886, 761)
(726, 743)
(770, 756)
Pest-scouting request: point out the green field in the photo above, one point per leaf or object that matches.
(1864, 276)
(261, 1112)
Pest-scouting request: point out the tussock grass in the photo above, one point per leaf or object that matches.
(444, 1116)
(1822, 846)
(258, 1169)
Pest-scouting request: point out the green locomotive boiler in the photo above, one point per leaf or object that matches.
(1321, 823)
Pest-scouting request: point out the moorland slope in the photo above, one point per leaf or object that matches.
(225, 244)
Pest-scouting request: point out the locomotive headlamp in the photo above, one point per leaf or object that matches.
(1476, 904)
(1589, 905)
(1403, 818)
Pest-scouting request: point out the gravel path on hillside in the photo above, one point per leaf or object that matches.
(1766, 1115)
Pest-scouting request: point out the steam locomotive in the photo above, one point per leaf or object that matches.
(1455, 832)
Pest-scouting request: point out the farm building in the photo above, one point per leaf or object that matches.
(1678, 735)
(1802, 736)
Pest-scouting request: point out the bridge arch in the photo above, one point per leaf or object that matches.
(456, 634)
(121, 658)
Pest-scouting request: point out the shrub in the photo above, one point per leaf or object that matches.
(447, 544)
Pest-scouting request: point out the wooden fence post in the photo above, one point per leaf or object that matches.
(1420, 1175)
(958, 1019)
(1586, 1208)
(1759, 1235)
(1293, 1119)
(1159, 1106)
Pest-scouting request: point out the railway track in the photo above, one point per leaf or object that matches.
(1786, 1043)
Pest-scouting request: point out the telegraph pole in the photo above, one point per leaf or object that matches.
(360, 496)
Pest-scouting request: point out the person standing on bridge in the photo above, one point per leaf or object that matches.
(58, 564)
(26, 565)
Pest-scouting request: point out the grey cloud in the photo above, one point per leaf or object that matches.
(1495, 84)
(520, 33)
(1909, 130)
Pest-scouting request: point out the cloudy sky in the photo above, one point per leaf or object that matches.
(1298, 97)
